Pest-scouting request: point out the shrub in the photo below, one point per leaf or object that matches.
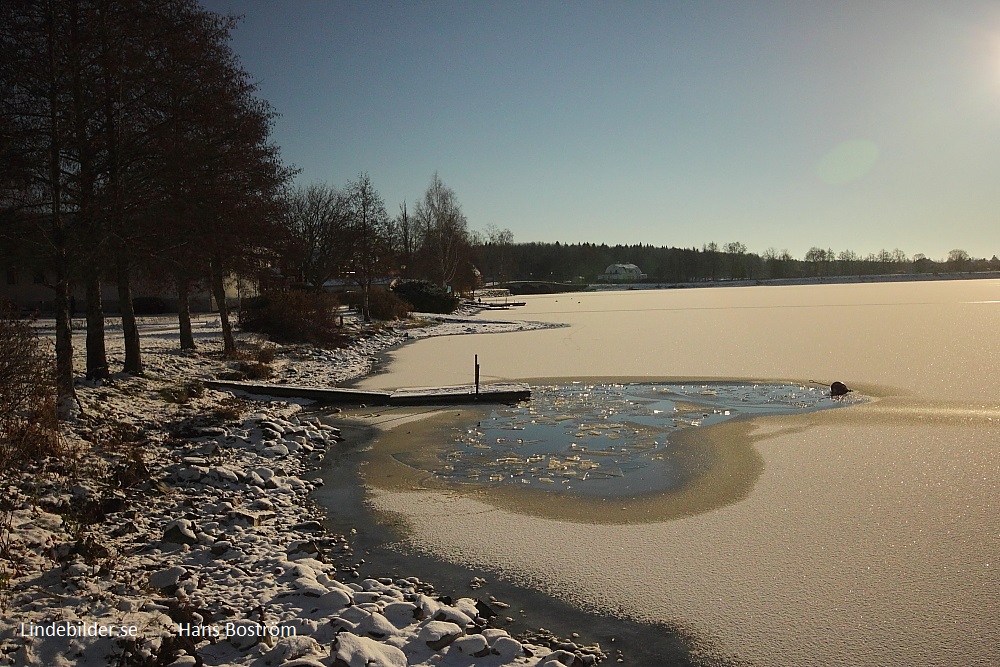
(29, 428)
(183, 392)
(426, 297)
(254, 370)
(293, 317)
(255, 351)
(385, 305)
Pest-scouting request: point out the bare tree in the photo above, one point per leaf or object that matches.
(404, 240)
(370, 234)
(318, 216)
(444, 231)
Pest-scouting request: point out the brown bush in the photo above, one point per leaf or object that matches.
(29, 427)
(254, 370)
(385, 305)
(294, 317)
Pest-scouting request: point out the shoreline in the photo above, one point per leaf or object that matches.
(218, 526)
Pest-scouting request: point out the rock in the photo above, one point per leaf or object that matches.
(224, 474)
(438, 634)
(484, 610)
(245, 634)
(561, 658)
(335, 598)
(839, 389)
(275, 450)
(507, 648)
(264, 473)
(252, 517)
(376, 626)
(308, 526)
(220, 547)
(308, 547)
(354, 651)
(474, 645)
(453, 615)
(192, 474)
(168, 578)
(184, 661)
(291, 648)
(400, 614)
(309, 587)
(180, 531)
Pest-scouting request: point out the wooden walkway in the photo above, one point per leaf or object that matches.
(488, 393)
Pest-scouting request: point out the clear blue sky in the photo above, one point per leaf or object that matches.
(864, 125)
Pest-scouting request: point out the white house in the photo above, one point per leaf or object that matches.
(621, 273)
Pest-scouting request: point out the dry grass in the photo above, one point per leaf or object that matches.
(29, 425)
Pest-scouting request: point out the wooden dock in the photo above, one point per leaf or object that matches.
(460, 394)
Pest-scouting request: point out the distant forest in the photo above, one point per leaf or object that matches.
(585, 262)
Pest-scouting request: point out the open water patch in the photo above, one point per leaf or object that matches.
(605, 439)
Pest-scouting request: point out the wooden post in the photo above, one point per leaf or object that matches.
(477, 377)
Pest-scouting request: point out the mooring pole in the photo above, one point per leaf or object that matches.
(477, 377)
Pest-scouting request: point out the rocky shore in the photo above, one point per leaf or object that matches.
(178, 529)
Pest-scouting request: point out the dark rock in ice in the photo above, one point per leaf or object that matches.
(839, 389)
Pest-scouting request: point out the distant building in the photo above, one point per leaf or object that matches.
(621, 273)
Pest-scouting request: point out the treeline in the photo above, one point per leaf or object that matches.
(585, 262)
(346, 235)
(132, 140)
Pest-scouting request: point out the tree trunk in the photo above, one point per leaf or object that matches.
(219, 292)
(65, 393)
(130, 330)
(184, 313)
(97, 357)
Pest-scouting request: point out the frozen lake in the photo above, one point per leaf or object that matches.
(871, 536)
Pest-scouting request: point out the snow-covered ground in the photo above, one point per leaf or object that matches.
(181, 532)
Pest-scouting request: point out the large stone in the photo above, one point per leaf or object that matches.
(291, 648)
(376, 626)
(168, 578)
(507, 648)
(474, 645)
(355, 651)
(180, 531)
(561, 658)
(438, 634)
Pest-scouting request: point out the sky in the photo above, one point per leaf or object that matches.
(857, 125)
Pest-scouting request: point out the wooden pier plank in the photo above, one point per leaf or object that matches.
(489, 393)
